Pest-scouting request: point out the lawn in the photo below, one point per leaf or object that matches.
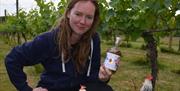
(130, 75)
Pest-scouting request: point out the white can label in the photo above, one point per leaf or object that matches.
(111, 61)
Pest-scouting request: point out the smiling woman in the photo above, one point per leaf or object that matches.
(80, 19)
(69, 53)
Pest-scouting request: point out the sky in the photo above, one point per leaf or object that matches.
(10, 5)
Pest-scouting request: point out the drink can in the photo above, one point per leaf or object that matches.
(111, 61)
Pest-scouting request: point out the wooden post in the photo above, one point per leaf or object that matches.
(152, 55)
(17, 7)
(5, 14)
(179, 44)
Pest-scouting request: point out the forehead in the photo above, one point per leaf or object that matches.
(84, 6)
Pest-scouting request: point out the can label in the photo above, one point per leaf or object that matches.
(111, 61)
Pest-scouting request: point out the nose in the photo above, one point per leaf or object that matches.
(83, 20)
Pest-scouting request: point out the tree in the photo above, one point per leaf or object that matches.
(149, 18)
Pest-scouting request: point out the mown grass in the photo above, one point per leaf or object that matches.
(5, 84)
(134, 68)
(130, 75)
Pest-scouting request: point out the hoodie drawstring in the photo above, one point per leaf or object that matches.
(90, 60)
(63, 64)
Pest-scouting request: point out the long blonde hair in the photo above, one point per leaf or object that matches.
(82, 49)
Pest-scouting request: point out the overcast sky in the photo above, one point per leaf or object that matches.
(10, 5)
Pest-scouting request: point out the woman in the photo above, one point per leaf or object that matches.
(70, 53)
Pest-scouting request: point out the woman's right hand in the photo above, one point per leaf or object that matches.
(40, 89)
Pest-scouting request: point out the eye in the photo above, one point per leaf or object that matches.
(77, 14)
(90, 17)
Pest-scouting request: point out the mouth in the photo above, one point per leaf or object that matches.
(81, 28)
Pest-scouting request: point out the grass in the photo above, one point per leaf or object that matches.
(130, 75)
(5, 84)
(133, 69)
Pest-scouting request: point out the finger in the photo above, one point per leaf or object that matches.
(101, 76)
(102, 68)
(104, 73)
(101, 72)
(40, 89)
(44, 89)
(117, 60)
(37, 89)
(107, 72)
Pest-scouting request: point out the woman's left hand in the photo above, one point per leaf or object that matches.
(104, 73)
(39, 89)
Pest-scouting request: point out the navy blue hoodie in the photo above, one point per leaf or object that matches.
(56, 75)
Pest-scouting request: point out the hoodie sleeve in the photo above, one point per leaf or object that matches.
(27, 54)
(96, 57)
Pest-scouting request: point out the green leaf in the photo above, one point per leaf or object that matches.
(167, 3)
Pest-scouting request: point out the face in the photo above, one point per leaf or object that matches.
(81, 17)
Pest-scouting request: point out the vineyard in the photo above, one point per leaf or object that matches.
(150, 30)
